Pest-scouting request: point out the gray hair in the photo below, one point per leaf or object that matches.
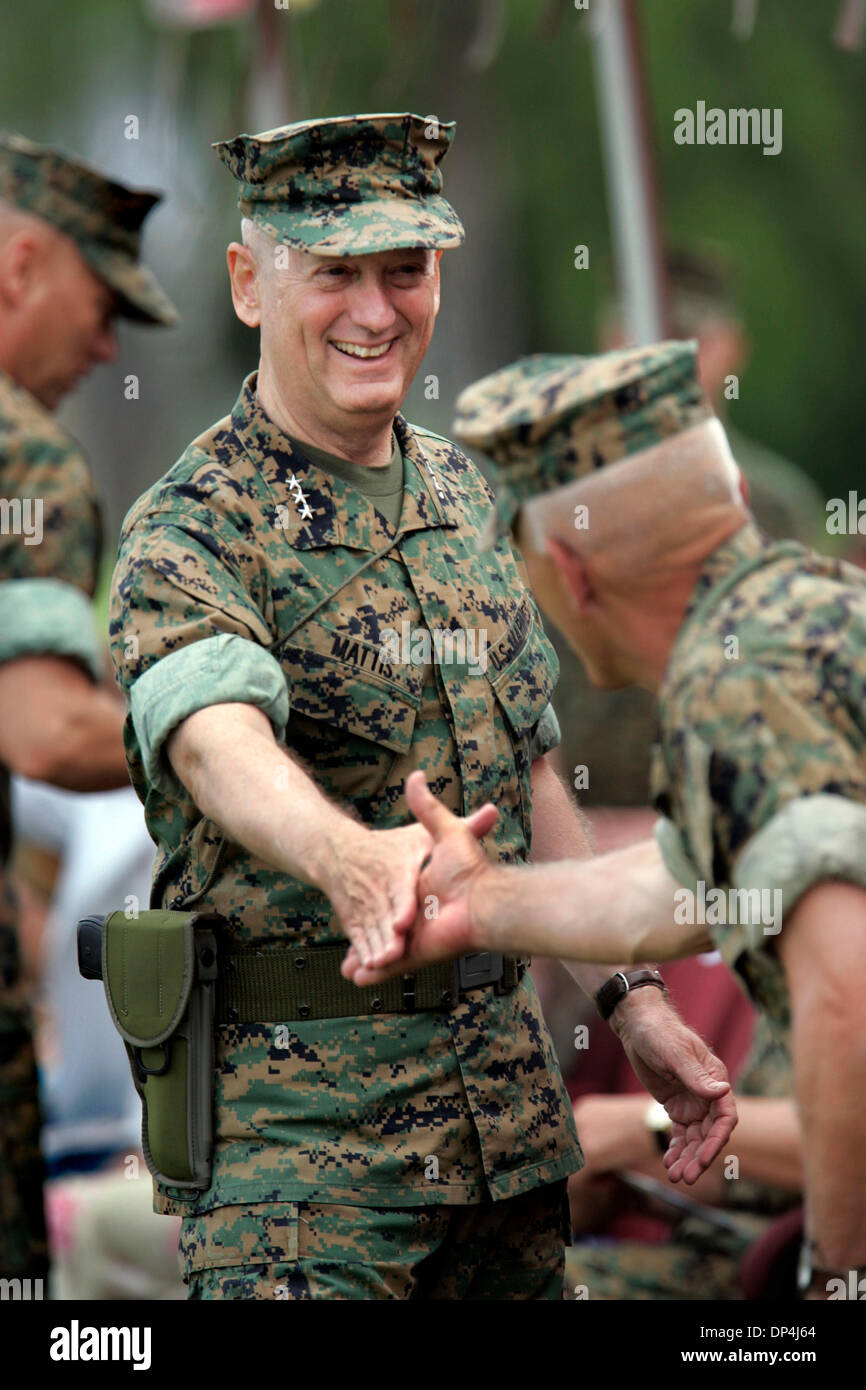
(262, 245)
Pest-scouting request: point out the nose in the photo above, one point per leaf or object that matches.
(371, 307)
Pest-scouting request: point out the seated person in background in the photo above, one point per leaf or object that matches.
(629, 1244)
(106, 1241)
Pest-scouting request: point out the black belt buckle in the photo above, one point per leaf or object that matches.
(479, 968)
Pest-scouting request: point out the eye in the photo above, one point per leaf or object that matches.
(408, 270)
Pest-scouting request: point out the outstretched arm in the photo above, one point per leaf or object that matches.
(238, 775)
(559, 834)
(579, 910)
(619, 905)
(671, 1061)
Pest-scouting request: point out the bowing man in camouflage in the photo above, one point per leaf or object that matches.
(68, 265)
(630, 512)
(301, 617)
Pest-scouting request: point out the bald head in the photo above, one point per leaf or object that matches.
(613, 557)
(652, 513)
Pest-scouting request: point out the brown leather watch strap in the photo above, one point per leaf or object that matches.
(621, 984)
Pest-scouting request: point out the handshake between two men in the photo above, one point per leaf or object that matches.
(617, 906)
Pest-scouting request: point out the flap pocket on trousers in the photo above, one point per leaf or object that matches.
(263, 1233)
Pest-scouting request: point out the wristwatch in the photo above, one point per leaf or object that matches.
(659, 1124)
(621, 984)
(811, 1277)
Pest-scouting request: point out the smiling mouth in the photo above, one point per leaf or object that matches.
(356, 350)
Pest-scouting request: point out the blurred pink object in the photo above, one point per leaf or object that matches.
(199, 13)
(62, 1207)
(848, 32)
(107, 1243)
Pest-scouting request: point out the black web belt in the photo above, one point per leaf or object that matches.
(282, 984)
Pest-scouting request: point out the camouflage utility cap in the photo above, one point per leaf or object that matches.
(548, 420)
(347, 186)
(103, 218)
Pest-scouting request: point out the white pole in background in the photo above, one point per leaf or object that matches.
(628, 168)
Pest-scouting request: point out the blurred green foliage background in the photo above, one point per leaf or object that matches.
(525, 173)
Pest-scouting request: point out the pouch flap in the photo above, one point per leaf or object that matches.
(341, 693)
(148, 968)
(523, 667)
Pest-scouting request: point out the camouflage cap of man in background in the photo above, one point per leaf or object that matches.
(102, 217)
(550, 419)
(69, 248)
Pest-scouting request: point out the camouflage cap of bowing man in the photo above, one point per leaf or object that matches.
(102, 217)
(348, 185)
(548, 420)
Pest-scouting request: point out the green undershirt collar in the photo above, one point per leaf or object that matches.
(382, 485)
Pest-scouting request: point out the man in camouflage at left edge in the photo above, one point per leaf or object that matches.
(68, 265)
(279, 586)
(630, 512)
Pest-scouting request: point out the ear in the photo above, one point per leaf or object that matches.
(245, 283)
(19, 259)
(572, 572)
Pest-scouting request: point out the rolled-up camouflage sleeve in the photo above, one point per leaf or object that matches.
(48, 617)
(49, 555)
(546, 735)
(226, 669)
(673, 853)
(785, 789)
(811, 840)
(186, 634)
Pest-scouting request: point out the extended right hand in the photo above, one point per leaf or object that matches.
(371, 878)
(456, 866)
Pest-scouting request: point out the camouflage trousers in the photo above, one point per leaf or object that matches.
(669, 1270)
(307, 1250)
(23, 1241)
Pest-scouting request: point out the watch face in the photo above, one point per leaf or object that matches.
(657, 1118)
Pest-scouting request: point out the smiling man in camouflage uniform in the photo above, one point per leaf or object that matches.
(629, 510)
(411, 1141)
(69, 245)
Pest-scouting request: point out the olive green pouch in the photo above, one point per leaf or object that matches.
(159, 970)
